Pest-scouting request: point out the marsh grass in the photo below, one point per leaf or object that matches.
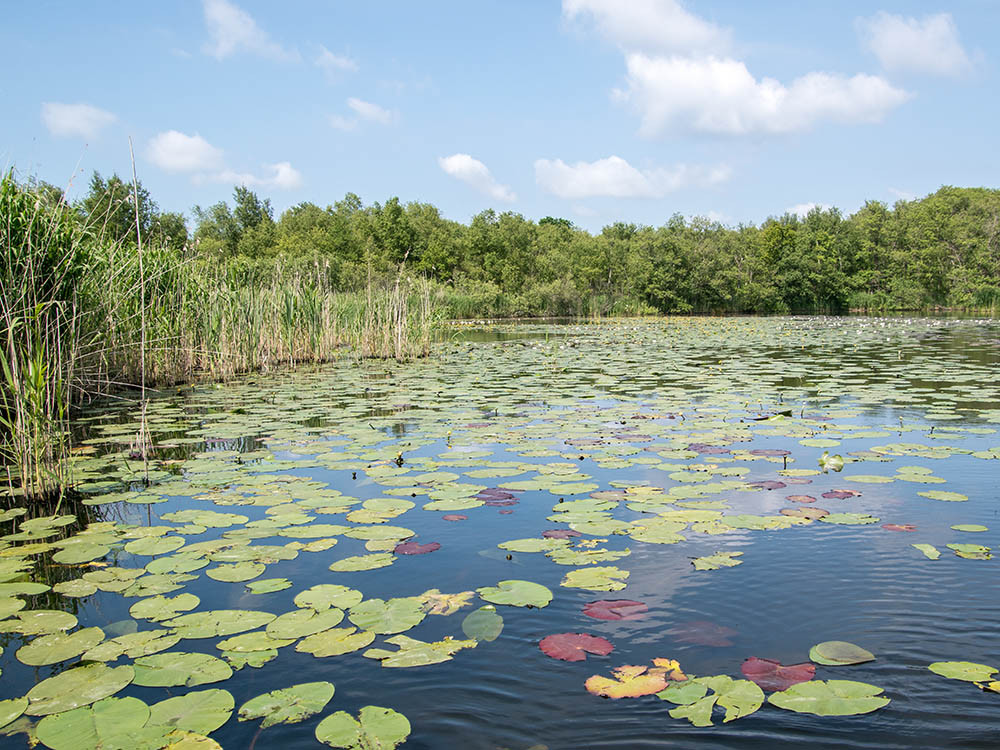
(82, 316)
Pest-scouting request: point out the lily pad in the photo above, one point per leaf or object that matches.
(949, 497)
(516, 593)
(57, 647)
(159, 608)
(363, 562)
(327, 595)
(302, 622)
(375, 727)
(598, 578)
(218, 622)
(414, 548)
(830, 698)
(574, 646)
(632, 681)
(929, 550)
(201, 711)
(268, 585)
(616, 609)
(484, 624)
(436, 603)
(288, 705)
(180, 669)
(839, 653)
(38, 622)
(77, 687)
(386, 617)
(717, 560)
(414, 653)
(108, 723)
(963, 670)
(241, 571)
(335, 642)
(11, 708)
(772, 675)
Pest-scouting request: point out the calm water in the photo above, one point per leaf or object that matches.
(677, 405)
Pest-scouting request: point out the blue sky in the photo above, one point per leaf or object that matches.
(592, 110)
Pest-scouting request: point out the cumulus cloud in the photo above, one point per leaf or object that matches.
(84, 120)
(717, 95)
(928, 45)
(662, 26)
(282, 176)
(475, 174)
(369, 111)
(231, 30)
(616, 178)
(332, 64)
(174, 151)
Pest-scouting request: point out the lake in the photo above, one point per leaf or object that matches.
(738, 488)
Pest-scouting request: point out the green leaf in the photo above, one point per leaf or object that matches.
(159, 608)
(376, 728)
(971, 551)
(302, 622)
(132, 645)
(57, 647)
(176, 669)
(201, 711)
(288, 705)
(717, 560)
(963, 670)
(483, 625)
(11, 708)
(259, 640)
(414, 653)
(385, 617)
(335, 642)
(77, 687)
(155, 545)
(948, 497)
(599, 578)
(38, 622)
(106, 724)
(363, 562)
(839, 653)
(241, 571)
(218, 622)
(327, 595)
(516, 593)
(830, 698)
(929, 550)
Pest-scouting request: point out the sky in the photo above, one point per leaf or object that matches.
(591, 110)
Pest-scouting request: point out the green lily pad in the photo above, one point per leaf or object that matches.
(241, 571)
(830, 698)
(133, 645)
(484, 624)
(839, 653)
(288, 705)
(363, 562)
(77, 687)
(155, 545)
(717, 560)
(180, 669)
(255, 659)
(414, 653)
(11, 708)
(948, 497)
(386, 617)
(78, 587)
(970, 527)
(38, 622)
(335, 642)
(599, 578)
(929, 550)
(201, 711)
(258, 640)
(108, 723)
(218, 622)
(327, 595)
(963, 670)
(533, 545)
(302, 622)
(375, 727)
(57, 647)
(739, 697)
(80, 553)
(159, 608)
(268, 585)
(971, 551)
(516, 593)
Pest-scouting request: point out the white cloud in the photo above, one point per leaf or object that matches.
(283, 176)
(614, 177)
(174, 151)
(475, 174)
(663, 26)
(930, 45)
(369, 111)
(717, 95)
(332, 64)
(802, 209)
(231, 29)
(84, 120)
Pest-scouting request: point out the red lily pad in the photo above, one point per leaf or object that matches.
(703, 633)
(841, 494)
(497, 503)
(812, 514)
(772, 675)
(574, 646)
(506, 511)
(455, 517)
(415, 548)
(708, 450)
(615, 609)
(801, 498)
(495, 493)
(560, 534)
(899, 527)
(768, 484)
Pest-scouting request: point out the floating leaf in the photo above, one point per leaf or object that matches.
(11, 708)
(899, 527)
(302, 622)
(739, 697)
(830, 698)
(971, 551)
(772, 675)
(201, 711)
(268, 585)
(80, 553)
(176, 669)
(484, 624)
(218, 622)
(158, 608)
(703, 633)
(414, 653)
(850, 519)
(252, 642)
(288, 705)
(615, 609)
(969, 527)
(949, 497)
(629, 681)
(108, 723)
(363, 562)
(376, 727)
(57, 647)
(717, 560)
(327, 595)
(574, 646)
(77, 687)
(516, 593)
(335, 642)
(413, 548)
(38, 622)
(839, 653)
(155, 545)
(436, 603)
(606, 578)
(929, 550)
(963, 670)
(242, 571)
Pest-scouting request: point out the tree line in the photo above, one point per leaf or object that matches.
(942, 250)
